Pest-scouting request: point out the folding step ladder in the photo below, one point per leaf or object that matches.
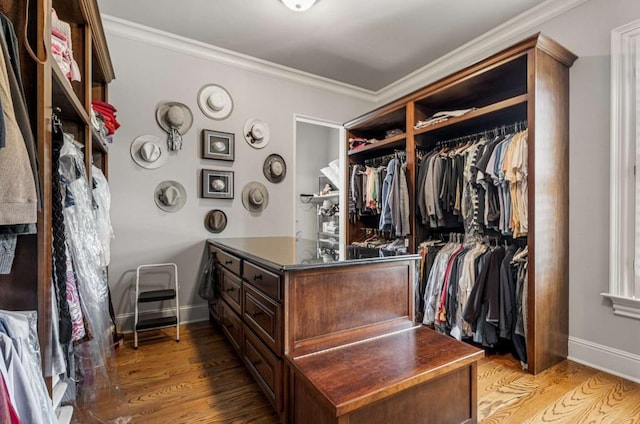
(156, 296)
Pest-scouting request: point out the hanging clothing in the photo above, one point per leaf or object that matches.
(102, 197)
(12, 62)
(18, 174)
(21, 367)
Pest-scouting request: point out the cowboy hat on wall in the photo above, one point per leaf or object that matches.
(255, 197)
(175, 119)
(170, 196)
(149, 152)
(274, 168)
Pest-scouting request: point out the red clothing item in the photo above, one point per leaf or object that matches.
(104, 105)
(8, 413)
(441, 314)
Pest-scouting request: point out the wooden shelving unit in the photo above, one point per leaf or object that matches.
(526, 82)
(48, 91)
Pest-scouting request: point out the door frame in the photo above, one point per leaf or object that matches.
(342, 197)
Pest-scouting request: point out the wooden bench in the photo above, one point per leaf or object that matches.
(410, 376)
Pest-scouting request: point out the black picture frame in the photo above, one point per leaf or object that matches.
(218, 145)
(217, 184)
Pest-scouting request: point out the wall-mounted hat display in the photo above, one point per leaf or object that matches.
(255, 197)
(149, 152)
(215, 221)
(215, 102)
(176, 119)
(170, 196)
(256, 132)
(274, 168)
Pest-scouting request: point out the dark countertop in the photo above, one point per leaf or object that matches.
(289, 253)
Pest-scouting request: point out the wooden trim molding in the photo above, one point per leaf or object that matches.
(625, 138)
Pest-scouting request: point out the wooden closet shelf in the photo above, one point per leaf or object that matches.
(476, 114)
(395, 142)
(98, 141)
(65, 98)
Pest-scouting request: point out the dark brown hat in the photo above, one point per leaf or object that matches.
(215, 221)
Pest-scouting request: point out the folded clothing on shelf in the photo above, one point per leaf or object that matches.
(106, 114)
(62, 48)
(442, 116)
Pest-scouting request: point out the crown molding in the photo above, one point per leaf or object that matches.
(155, 37)
(477, 49)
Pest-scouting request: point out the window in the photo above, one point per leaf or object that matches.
(624, 256)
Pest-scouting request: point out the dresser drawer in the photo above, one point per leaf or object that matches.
(230, 262)
(231, 327)
(263, 316)
(265, 367)
(231, 290)
(264, 280)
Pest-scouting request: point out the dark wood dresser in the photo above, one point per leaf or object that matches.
(281, 307)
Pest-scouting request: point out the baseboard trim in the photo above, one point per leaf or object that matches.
(604, 358)
(188, 314)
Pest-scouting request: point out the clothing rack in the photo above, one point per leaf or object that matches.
(490, 133)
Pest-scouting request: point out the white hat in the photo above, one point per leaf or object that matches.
(255, 197)
(148, 151)
(215, 221)
(256, 132)
(215, 101)
(274, 168)
(170, 196)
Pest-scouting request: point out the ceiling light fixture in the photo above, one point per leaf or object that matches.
(299, 5)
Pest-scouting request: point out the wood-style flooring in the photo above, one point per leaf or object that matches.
(202, 380)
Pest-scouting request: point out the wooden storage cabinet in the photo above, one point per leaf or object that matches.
(317, 306)
(526, 82)
(249, 312)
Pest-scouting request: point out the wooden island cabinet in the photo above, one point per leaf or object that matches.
(302, 325)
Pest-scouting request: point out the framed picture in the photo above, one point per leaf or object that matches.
(218, 145)
(217, 184)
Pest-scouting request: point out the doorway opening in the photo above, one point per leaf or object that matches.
(319, 191)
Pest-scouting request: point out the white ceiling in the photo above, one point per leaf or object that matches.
(366, 43)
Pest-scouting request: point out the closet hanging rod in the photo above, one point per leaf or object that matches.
(383, 160)
(489, 133)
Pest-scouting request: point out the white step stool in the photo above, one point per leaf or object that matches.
(156, 296)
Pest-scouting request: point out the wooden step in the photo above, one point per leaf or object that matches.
(156, 295)
(148, 324)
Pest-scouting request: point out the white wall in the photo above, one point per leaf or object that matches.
(596, 334)
(147, 75)
(316, 146)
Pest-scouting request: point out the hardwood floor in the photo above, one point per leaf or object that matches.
(201, 380)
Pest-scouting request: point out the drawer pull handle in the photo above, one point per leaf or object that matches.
(230, 289)
(256, 313)
(228, 262)
(257, 277)
(256, 363)
(229, 325)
